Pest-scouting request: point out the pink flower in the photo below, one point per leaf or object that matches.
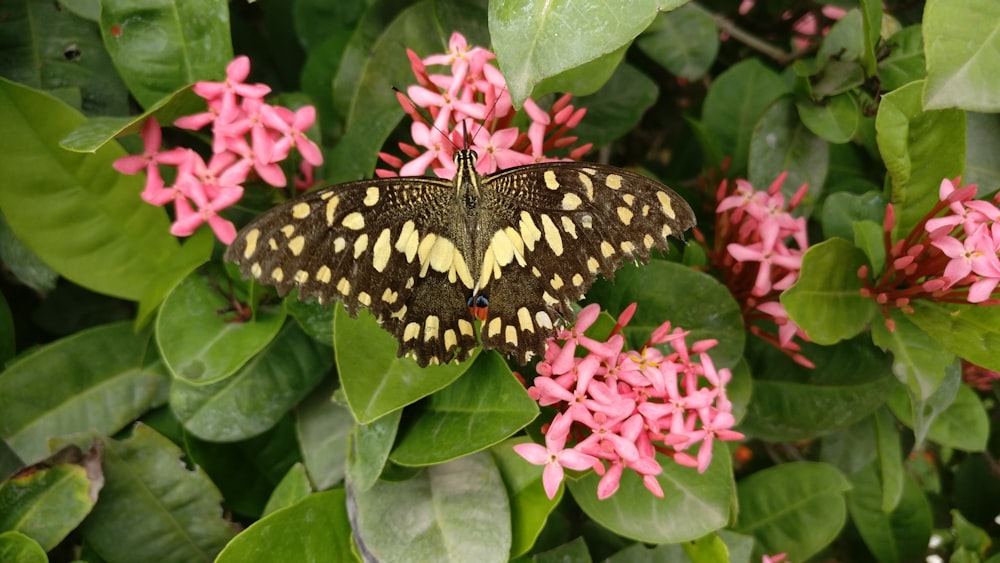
(554, 457)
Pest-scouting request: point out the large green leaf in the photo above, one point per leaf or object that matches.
(99, 379)
(781, 142)
(918, 360)
(962, 423)
(171, 513)
(369, 450)
(684, 41)
(905, 59)
(970, 331)
(535, 39)
(159, 47)
(920, 148)
(323, 427)
(258, 395)
(529, 507)
(314, 529)
(374, 380)
(795, 508)
(15, 546)
(201, 346)
(76, 212)
(292, 488)
(484, 406)
(457, 511)
(616, 108)
(693, 504)
(961, 41)
(52, 49)
(900, 534)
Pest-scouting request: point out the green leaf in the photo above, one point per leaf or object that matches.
(160, 48)
(369, 450)
(826, 300)
(24, 264)
(7, 342)
(584, 79)
(96, 379)
(781, 143)
(835, 120)
(485, 406)
(48, 503)
(970, 331)
(314, 529)
(790, 402)
(374, 380)
(871, 20)
(918, 360)
(920, 148)
(691, 300)
(617, 108)
(890, 460)
(64, 53)
(852, 448)
(258, 395)
(684, 41)
(869, 236)
(535, 40)
(456, 511)
(573, 551)
(794, 508)
(529, 507)
(904, 62)
(75, 211)
(982, 164)
(314, 318)
(900, 534)
(171, 513)
(842, 210)
(734, 104)
(294, 486)
(693, 504)
(15, 546)
(844, 42)
(961, 44)
(962, 424)
(201, 346)
(323, 427)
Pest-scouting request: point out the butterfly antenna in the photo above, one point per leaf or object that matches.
(424, 115)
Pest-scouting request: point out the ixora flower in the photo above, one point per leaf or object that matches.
(757, 252)
(470, 106)
(949, 257)
(620, 408)
(248, 136)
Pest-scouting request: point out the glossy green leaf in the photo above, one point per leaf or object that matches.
(641, 553)
(456, 511)
(869, 236)
(314, 529)
(982, 165)
(826, 300)
(790, 402)
(171, 513)
(573, 551)
(871, 20)
(93, 228)
(486, 405)
(160, 48)
(372, 67)
(920, 148)
(921, 414)
(315, 319)
(904, 62)
(616, 108)
(374, 380)
(24, 265)
(963, 424)
(835, 120)
(970, 331)
(529, 507)
(201, 346)
(852, 448)
(782, 143)
(734, 104)
(684, 41)
(294, 486)
(323, 427)
(795, 508)
(64, 53)
(96, 379)
(918, 360)
(15, 546)
(535, 40)
(693, 504)
(961, 44)
(691, 300)
(842, 210)
(258, 395)
(48, 503)
(369, 450)
(890, 459)
(900, 534)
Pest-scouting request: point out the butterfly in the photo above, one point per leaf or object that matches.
(428, 256)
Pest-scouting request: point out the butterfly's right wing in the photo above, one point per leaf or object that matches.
(386, 244)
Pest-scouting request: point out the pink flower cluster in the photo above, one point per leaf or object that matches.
(951, 258)
(754, 254)
(471, 104)
(248, 135)
(620, 408)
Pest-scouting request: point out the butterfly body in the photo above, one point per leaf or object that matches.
(428, 256)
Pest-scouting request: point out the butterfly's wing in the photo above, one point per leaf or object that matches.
(385, 244)
(566, 222)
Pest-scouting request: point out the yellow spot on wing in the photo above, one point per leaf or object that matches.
(550, 180)
(543, 319)
(503, 249)
(529, 231)
(344, 286)
(510, 335)
(571, 201)
(253, 235)
(371, 196)
(411, 331)
(588, 184)
(301, 210)
(442, 255)
(465, 327)
(323, 274)
(297, 244)
(431, 325)
(613, 181)
(568, 225)
(552, 235)
(666, 204)
(360, 245)
(494, 327)
(524, 319)
(389, 296)
(381, 251)
(331, 209)
(277, 274)
(302, 276)
(287, 230)
(625, 215)
(354, 221)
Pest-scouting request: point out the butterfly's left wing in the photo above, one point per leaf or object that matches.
(555, 227)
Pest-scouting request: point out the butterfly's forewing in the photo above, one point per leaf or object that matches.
(567, 222)
(389, 245)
